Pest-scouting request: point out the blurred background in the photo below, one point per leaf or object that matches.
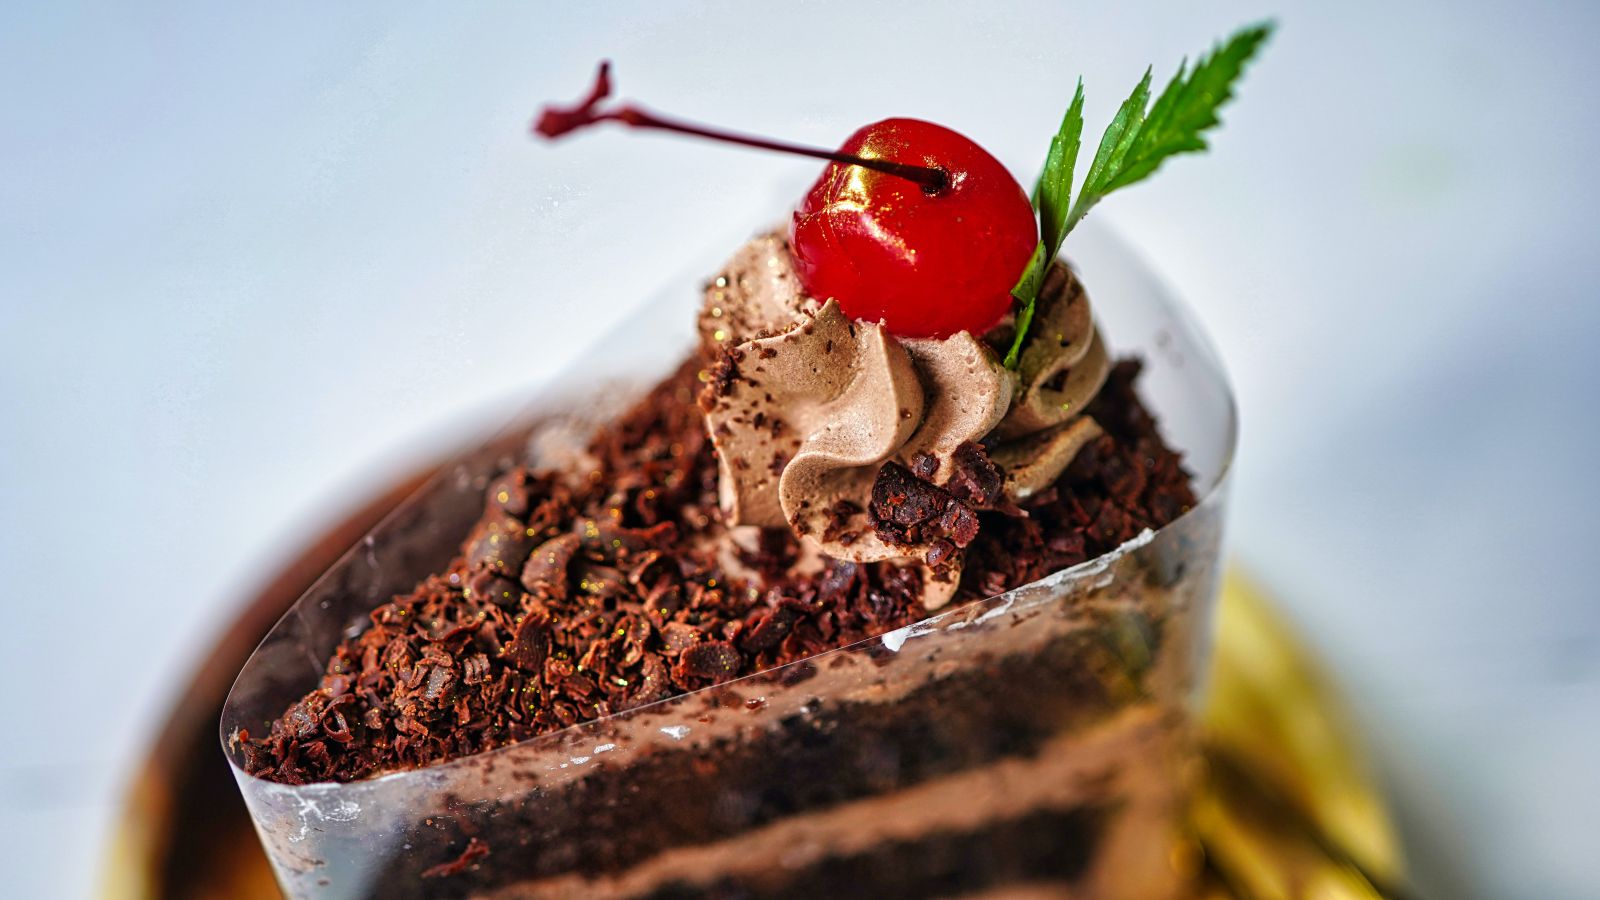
(254, 264)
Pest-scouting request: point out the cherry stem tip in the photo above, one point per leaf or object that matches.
(556, 121)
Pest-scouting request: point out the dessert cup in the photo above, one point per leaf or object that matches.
(1042, 736)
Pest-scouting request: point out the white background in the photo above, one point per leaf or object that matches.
(251, 262)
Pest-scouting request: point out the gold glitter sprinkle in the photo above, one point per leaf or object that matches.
(719, 335)
(503, 496)
(722, 281)
(703, 376)
(716, 312)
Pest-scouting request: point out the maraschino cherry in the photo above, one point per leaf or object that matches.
(911, 224)
(925, 264)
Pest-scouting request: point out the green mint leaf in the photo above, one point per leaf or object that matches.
(1052, 195)
(1114, 146)
(1139, 139)
(1132, 150)
(1026, 292)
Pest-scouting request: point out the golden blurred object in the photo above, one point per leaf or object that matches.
(1284, 806)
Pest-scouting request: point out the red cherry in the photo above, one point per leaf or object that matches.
(925, 263)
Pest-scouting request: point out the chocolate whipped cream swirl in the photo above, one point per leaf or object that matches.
(807, 407)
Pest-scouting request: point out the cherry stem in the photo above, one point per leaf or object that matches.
(555, 121)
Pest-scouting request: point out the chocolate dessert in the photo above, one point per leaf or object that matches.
(862, 597)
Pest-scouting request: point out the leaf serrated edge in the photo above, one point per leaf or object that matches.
(1166, 130)
(1052, 193)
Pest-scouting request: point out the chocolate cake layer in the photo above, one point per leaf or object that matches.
(1047, 844)
(1104, 770)
(834, 752)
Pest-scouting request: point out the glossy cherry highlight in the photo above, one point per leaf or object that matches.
(926, 265)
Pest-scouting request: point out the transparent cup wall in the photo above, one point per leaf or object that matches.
(1068, 696)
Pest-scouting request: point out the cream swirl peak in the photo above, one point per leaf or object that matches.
(807, 406)
(804, 420)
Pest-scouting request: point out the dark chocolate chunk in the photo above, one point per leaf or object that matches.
(908, 511)
(501, 543)
(903, 499)
(716, 660)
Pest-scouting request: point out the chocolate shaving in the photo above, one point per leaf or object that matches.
(714, 660)
(975, 480)
(547, 566)
(501, 543)
(531, 646)
(769, 629)
(569, 602)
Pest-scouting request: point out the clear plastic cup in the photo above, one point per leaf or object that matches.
(1042, 737)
